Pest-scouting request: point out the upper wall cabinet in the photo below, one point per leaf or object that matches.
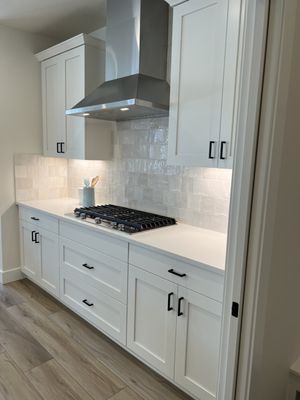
(203, 82)
(70, 70)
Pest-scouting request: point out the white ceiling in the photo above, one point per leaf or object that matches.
(59, 19)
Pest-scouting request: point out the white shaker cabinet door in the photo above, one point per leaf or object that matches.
(74, 83)
(53, 97)
(197, 83)
(30, 251)
(152, 319)
(49, 261)
(197, 343)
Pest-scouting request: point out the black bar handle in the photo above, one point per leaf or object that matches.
(35, 218)
(61, 147)
(32, 236)
(171, 271)
(169, 301)
(179, 306)
(87, 266)
(36, 237)
(222, 157)
(210, 151)
(87, 303)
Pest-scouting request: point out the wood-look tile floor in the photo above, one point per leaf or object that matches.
(49, 353)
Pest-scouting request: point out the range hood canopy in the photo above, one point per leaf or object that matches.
(136, 64)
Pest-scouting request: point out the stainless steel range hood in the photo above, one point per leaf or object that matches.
(136, 64)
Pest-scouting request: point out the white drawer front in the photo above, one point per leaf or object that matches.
(200, 280)
(105, 273)
(101, 310)
(39, 219)
(95, 240)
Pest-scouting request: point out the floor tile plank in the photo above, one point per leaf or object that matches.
(10, 296)
(13, 384)
(136, 375)
(22, 347)
(84, 364)
(99, 381)
(53, 382)
(126, 394)
(29, 290)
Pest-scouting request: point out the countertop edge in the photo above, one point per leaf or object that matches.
(127, 238)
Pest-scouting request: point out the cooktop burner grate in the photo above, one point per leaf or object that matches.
(124, 219)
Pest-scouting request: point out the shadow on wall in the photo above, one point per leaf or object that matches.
(10, 238)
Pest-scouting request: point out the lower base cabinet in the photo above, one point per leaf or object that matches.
(170, 327)
(40, 256)
(198, 344)
(104, 312)
(151, 329)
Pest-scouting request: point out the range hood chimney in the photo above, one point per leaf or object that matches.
(136, 64)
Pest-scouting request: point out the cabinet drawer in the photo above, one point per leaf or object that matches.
(101, 310)
(200, 280)
(95, 240)
(106, 274)
(39, 219)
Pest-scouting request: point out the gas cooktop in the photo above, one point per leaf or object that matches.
(123, 219)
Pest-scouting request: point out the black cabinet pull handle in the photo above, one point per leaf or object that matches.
(35, 218)
(210, 151)
(87, 266)
(87, 303)
(171, 271)
(222, 157)
(179, 306)
(36, 234)
(32, 236)
(169, 301)
(61, 147)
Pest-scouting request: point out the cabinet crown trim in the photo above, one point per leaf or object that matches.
(174, 3)
(76, 41)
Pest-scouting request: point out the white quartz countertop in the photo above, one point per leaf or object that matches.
(187, 242)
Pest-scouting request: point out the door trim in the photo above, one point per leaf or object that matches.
(251, 58)
(274, 110)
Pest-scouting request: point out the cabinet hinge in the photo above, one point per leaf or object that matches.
(235, 309)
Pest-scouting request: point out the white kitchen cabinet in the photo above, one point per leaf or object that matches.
(103, 311)
(198, 344)
(164, 309)
(30, 251)
(107, 274)
(171, 325)
(70, 71)
(203, 80)
(152, 319)
(40, 256)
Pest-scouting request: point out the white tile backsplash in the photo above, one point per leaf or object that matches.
(41, 178)
(138, 176)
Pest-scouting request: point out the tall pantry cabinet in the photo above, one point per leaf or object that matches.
(70, 71)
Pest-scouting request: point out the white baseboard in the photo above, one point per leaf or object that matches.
(11, 275)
